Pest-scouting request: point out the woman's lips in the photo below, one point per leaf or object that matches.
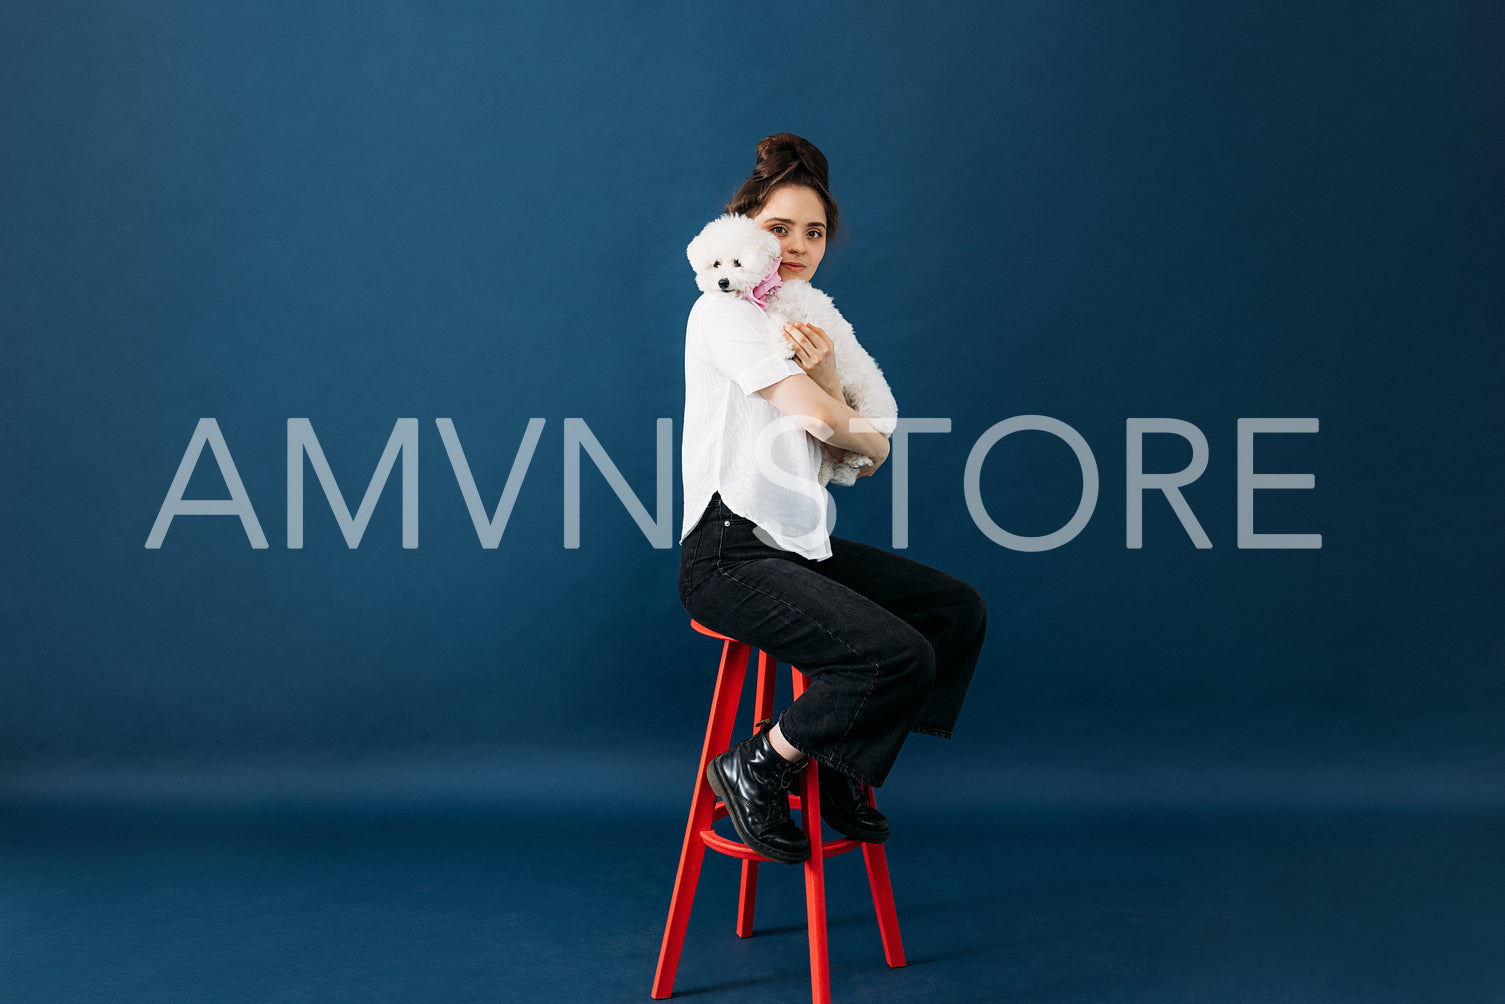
(793, 266)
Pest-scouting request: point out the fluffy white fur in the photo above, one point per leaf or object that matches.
(730, 257)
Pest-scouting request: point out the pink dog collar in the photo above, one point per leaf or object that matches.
(769, 285)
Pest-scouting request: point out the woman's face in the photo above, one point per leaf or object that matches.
(797, 217)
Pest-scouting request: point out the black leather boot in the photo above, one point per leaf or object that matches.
(753, 780)
(843, 804)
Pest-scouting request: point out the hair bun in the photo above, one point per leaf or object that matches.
(782, 152)
(785, 159)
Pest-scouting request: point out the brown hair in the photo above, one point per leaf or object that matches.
(786, 160)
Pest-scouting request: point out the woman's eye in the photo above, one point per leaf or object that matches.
(813, 235)
(776, 230)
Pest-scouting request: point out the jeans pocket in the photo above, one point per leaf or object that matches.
(689, 550)
(731, 519)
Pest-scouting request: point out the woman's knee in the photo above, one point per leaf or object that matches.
(979, 607)
(910, 658)
(971, 609)
(924, 666)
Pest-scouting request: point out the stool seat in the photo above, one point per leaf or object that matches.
(707, 631)
(706, 809)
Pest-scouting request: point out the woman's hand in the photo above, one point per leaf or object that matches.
(816, 354)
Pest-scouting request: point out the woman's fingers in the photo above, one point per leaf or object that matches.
(811, 344)
(816, 335)
(801, 350)
(797, 339)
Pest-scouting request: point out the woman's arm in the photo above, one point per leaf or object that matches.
(826, 418)
(816, 354)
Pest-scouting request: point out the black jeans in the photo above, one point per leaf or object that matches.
(890, 644)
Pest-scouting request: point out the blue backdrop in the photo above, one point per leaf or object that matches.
(358, 213)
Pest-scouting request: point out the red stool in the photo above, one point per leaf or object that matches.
(705, 809)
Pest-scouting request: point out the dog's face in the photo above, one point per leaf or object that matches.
(732, 255)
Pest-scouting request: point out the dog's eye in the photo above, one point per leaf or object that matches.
(736, 264)
(715, 264)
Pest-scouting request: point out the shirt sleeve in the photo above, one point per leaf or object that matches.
(741, 348)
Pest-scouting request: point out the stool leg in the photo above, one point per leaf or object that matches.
(883, 902)
(815, 873)
(718, 736)
(768, 668)
(748, 899)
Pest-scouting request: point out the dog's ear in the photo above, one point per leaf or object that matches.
(697, 252)
(702, 250)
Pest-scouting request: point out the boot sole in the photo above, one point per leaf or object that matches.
(772, 854)
(852, 833)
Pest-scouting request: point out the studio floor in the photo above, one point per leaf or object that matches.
(302, 899)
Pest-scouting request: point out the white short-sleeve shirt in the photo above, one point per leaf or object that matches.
(728, 359)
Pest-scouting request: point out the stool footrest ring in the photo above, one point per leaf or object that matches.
(737, 849)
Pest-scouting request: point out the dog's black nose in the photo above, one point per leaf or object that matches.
(725, 283)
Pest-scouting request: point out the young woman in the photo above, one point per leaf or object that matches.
(889, 643)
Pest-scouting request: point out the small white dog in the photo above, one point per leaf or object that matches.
(733, 256)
